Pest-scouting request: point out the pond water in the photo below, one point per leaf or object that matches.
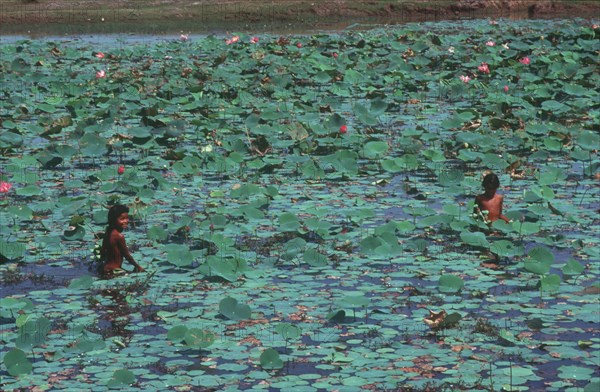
(242, 185)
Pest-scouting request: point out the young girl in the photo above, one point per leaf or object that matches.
(113, 244)
(489, 200)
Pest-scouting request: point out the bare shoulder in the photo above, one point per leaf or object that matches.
(116, 235)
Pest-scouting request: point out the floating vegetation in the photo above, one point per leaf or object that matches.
(304, 208)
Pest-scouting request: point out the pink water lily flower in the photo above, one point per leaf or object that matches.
(99, 55)
(505, 89)
(483, 68)
(183, 37)
(464, 78)
(254, 40)
(101, 74)
(525, 61)
(232, 40)
(490, 43)
(5, 187)
(335, 55)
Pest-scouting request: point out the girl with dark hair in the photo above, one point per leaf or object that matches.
(114, 248)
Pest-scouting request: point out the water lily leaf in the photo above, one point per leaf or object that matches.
(177, 333)
(542, 254)
(11, 250)
(450, 177)
(536, 267)
(81, 283)
(364, 115)
(575, 372)
(474, 239)
(539, 260)
(337, 316)
(230, 308)
(288, 222)
(592, 386)
(21, 211)
(537, 129)
(157, 233)
(92, 145)
(179, 255)
(504, 248)
(288, 331)
(121, 378)
(269, 359)
(507, 338)
(355, 301)
(573, 268)
(16, 362)
(450, 320)
(375, 150)
(74, 233)
(550, 283)
(315, 258)
(198, 338)
(588, 140)
(450, 283)
(227, 268)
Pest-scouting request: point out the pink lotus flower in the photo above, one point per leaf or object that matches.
(464, 78)
(505, 89)
(254, 40)
(232, 40)
(5, 187)
(490, 43)
(299, 45)
(101, 74)
(183, 37)
(483, 68)
(493, 22)
(525, 61)
(335, 55)
(121, 170)
(99, 55)
(343, 129)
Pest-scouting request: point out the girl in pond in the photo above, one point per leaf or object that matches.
(490, 201)
(114, 248)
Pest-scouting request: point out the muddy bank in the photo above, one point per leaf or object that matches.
(172, 16)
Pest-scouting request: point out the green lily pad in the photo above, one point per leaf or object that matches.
(269, 359)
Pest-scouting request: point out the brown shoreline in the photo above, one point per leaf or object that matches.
(172, 16)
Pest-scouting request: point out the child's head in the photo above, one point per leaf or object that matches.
(114, 213)
(490, 182)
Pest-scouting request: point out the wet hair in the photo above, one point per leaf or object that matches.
(491, 181)
(113, 214)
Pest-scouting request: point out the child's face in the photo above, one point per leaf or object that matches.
(122, 221)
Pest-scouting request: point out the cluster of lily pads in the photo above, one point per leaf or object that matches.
(303, 207)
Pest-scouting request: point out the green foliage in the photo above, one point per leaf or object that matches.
(16, 363)
(241, 185)
(230, 308)
(450, 283)
(269, 359)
